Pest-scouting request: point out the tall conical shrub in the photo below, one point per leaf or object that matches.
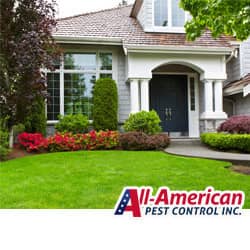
(105, 100)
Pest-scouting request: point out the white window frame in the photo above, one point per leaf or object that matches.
(61, 71)
(168, 28)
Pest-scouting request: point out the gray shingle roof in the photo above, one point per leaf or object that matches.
(117, 23)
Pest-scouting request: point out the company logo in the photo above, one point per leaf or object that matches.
(141, 202)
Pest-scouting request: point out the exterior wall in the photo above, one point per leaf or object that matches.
(242, 105)
(233, 70)
(123, 89)
(245, 57)
(145, 15)
(240, 66)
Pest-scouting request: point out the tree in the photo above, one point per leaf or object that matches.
(229, 17)
(105, 100)
(26, 46)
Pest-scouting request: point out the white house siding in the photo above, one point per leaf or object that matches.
(123, 89)
(240, 66)
(245, 54)
(233, 70)
(242, 105)
(145, 15)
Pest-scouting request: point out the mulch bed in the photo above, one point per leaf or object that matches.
(17, 153)
(241, 169)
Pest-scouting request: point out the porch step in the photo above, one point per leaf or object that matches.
(185, 141)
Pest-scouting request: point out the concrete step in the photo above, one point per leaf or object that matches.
(185, 141)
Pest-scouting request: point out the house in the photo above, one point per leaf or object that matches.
(237, 87)
(144, 49)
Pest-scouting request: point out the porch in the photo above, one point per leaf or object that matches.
(187, 98)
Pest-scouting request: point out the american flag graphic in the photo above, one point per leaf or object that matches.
(123, 203)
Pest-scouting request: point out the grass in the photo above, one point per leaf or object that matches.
(95, 179)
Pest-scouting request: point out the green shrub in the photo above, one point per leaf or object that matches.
(105, 108)
(4, 144)
(35, 122)
(147, 122)
(142, 141)
(75, 124)
(4, 138)
(223, 141)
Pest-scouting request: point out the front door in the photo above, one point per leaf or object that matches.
(168, 97)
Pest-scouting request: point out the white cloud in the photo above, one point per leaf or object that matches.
(74, 7)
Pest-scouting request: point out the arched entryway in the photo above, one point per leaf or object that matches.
(174, 96)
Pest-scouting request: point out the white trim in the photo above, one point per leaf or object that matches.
(246, 90)
(193, 115)
(88, 40)
(172, 49)
(62, 85)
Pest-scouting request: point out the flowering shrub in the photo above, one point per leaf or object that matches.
(142, 141)
(236, 125)
(69, 142)
(90, 141)
(32, 142)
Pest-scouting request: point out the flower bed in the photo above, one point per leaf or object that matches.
(69, 142)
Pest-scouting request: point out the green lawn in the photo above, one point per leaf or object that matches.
(95, 179)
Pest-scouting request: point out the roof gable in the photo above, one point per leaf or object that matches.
(117, 23)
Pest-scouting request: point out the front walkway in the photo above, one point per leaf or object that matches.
(196, 149)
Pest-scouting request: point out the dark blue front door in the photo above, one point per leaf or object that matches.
(168, 97)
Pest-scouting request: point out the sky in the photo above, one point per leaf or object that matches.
(74, 7)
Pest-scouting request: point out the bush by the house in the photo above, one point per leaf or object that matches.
(142, 141)
(4, 139)
(105, 108)
(69, 142)
(236, 125)
(146, 122)
(222, 141)
(75, 124)
(4, 144)
(35, 122)
(32, 142)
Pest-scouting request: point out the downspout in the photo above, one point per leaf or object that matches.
(234, 54)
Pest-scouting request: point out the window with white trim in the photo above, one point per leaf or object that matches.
(70, 86)
(167, 13)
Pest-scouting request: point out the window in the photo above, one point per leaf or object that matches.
(167, 13)
(192, 94)
(76, 76)
(53, 100)
(161, 12)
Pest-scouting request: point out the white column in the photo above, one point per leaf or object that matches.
(218, 99)
(145, 94)
(208, 95)
(134, 96)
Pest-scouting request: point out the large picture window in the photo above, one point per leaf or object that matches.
(167, 13)
(70, 87)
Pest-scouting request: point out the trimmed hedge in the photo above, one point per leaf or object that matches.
(143, 121)
(236, 125)
(75, 124)
(4, 144)
(105, 105)
(142, 141)
(221, 141)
